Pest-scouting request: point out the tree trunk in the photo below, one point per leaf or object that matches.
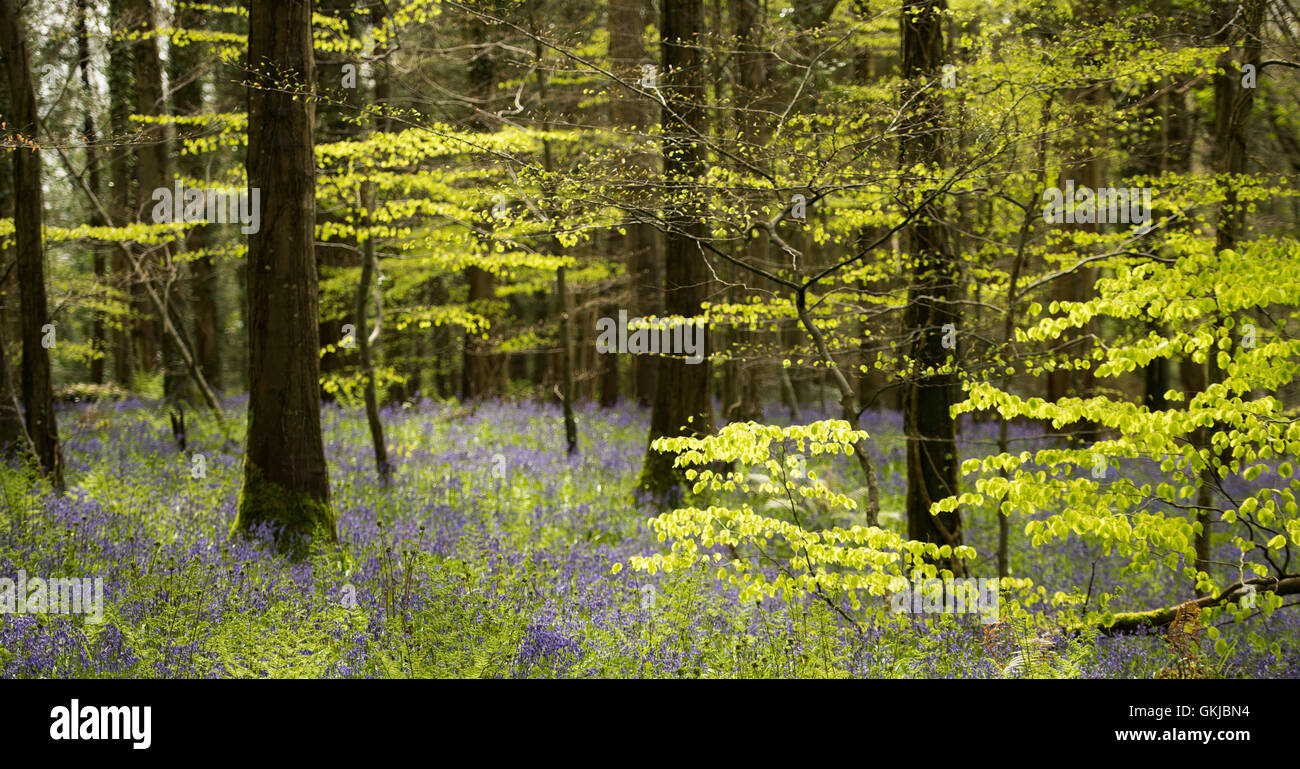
(682, 405)
(14, 440)
(153, 172)
(335, 122)
(476, 374)
(561, 285)
(479, 372)
(185, 64)
(1232, 107)
(37, 384)
(753, 96)
(931, 438)
(1155, 379)
(1082, 164)
(368, 265)
(121, 85)
(1148, 157)
(98, 337)
(632, 112)
(566, 362)
(286, 481)
(1010, 319)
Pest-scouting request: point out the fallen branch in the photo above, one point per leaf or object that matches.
(1129, 622)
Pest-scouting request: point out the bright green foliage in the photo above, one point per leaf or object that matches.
(767, 555)
(1235, 306)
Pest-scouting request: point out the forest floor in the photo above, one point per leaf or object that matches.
(491, 555)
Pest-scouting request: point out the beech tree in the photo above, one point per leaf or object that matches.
(286, 481)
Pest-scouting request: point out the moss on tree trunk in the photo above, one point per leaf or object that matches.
(296, 517)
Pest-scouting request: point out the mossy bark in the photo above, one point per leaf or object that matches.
(1128, 622)
(296, 517)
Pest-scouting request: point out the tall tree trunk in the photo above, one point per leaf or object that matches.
(402, 352)
(444, 344)
(1082, 164)
(14, 440)
(37, 384)
(98, 337)
(607, 365)
(753, 96)
(609, 379)
(1009, 320)
(1148, 156)
(931, 438)
(479, 373)
(153, 172)
(340, 78)
(286, 480)
(682, 404)
(1176, 150)
(633, 112)
(186, 64)
(1238, 26)
(561, 283)
(10, 305)
(121, 85)
(1155, 379)
(369, 263)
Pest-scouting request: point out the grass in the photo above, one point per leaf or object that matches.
(490, 555)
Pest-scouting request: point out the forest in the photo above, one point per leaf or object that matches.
(906, 339)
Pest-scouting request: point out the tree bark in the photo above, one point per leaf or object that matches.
(37, 384)
(566, 362)
(368, 267)
(1010, 318)
(561, 283)
(14, 440)
(1232, 105)
(682, 404)
(480, 367)
(286, 480)
(931, 437)
(753, 124)
(153, 172)
(335, 121)
(121, 84)
(98, 336)
(1131, 621)
(632, 112)
(186, 64)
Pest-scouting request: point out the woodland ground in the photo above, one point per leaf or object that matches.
(491, 555)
